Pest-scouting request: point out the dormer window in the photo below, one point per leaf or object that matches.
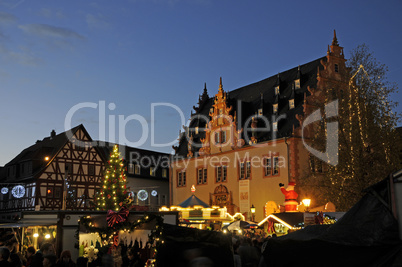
(297, 84)
(275, 126)
(291, 103)
(275, 108)
(152, 171)
(260, 112)
(137, 169)
(277, 90)
(336, 68)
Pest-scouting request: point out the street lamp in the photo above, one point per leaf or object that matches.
(252, 209)
(306, 203)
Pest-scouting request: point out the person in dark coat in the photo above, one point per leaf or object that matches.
(30, 252)
(82, 262)
(4, 255)
(45, 249)
(49, 260)
(65, 259)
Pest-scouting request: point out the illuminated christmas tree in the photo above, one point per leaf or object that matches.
(113, 193)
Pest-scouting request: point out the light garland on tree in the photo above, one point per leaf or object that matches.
(113, 194)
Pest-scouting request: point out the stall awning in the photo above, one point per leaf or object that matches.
(30, 222)
(292, 220)
(193, 201)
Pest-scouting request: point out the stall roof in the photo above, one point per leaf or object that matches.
(30, 222)
(193, 201)
(290, 219)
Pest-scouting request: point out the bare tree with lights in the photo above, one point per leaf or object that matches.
(368, 144)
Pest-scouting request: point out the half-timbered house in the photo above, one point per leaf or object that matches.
(60, 172)
(63, 171)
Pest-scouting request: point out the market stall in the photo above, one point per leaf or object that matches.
(194, 212)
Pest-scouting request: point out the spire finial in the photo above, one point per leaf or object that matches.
(220, 85)
(335, 40)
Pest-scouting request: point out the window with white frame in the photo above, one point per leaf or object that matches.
(268, 166)
(275, 170)
(248, 170)
(245, 170)
(241, 171)
(221, 173)
(224, 173)
(181, 178)
(202, 176)
(218, 174)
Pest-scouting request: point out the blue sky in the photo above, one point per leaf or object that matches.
(126, 55)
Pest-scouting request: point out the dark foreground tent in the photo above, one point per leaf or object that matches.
(367, 235)
(189, 246)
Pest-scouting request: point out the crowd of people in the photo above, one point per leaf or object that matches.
(248, 249)
(247, 252)
(10, 256)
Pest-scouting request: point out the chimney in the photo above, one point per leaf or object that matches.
(52, 133)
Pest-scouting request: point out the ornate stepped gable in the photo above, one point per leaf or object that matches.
(253, 110)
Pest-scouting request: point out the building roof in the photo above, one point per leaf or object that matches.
(47, 147)
(51, 145)
(246, 101)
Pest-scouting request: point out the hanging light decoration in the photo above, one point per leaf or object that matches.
(4, 190)
(18, 191)
(142, 195)
(154, 193)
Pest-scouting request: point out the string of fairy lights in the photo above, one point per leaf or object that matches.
(113, 194)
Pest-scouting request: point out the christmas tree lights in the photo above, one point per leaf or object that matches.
(114, 193)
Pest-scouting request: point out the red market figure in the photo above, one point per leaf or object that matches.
(290, 196)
